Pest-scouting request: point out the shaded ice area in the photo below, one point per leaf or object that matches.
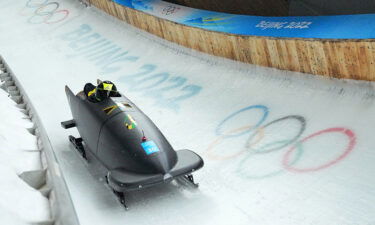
(19, 203)
(279, 147)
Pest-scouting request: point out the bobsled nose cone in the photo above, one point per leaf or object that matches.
(162, 163)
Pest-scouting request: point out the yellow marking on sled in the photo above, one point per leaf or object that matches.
(132, 123)
(110, 109)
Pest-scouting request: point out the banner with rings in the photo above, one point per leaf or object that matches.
(330, 27)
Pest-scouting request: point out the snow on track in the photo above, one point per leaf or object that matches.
(19, 203)
(279, 147)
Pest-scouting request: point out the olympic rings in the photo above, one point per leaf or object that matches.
(37, 11)
(287, 162)
(352, 141)
(170, 10)
(64, 11)
(261, 107)
(300, 119)
(42, 15)
(274, 173)
(220, 139)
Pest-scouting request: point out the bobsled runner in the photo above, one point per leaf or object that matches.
(133, 151)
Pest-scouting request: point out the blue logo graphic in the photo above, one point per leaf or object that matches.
(358, 26)
(150, 147)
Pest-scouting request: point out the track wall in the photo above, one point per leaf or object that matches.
(63, 212)
(279, 147)
(339, 58)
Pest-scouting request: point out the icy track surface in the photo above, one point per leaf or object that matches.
(19, 203)
(279, 147)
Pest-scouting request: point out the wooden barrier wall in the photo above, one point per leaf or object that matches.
(345, 59)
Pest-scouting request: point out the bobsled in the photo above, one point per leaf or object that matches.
(133, 151)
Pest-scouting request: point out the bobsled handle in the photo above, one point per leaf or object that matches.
(68, 124)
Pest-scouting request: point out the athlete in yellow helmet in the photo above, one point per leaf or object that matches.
(104, 90)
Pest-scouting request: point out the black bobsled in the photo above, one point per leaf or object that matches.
(133, 151)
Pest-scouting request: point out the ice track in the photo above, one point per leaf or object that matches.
(279, 147)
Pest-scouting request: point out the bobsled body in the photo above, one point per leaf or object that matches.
(127, 143)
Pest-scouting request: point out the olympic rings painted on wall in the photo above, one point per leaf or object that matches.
(264, 117)
(273, 173)
(41, 11)
(44, 12)
(259, 132)
(221, 138)
(169, 10)
(352, 141)
(285, 143)
(42, 7)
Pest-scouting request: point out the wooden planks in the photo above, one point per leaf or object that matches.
(349, 59)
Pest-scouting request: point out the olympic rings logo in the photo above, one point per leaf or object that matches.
(44, 12)
(257, 134)
(170, 10)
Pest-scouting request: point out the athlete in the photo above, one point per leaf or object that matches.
(104, 90)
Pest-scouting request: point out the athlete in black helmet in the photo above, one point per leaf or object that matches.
(104, 90)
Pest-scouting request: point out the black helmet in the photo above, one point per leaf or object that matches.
(105, 90)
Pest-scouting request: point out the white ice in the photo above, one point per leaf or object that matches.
(19, 203)
(251, 176)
